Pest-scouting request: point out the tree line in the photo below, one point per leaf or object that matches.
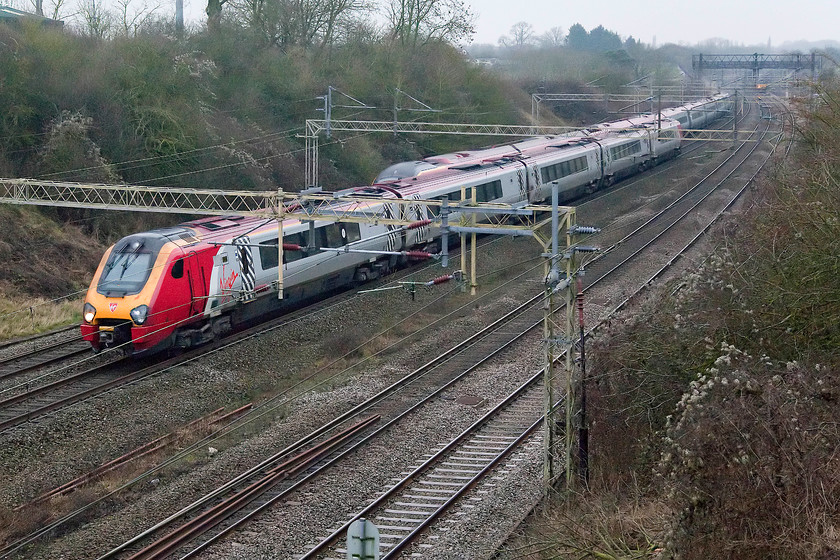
(599, 39)
(284, 23)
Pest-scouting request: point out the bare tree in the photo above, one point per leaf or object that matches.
(340, 13)
(298, 22)
(57, 8)
(214, 13)
(97, 21)
(416, 22)
(522, 33)
(131, 20)
(54, 8)
(554, 37)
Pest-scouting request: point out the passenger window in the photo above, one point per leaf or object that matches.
(351, 232)
(293, 239)
(333, 234)
(455, 196)
(489, 191)
(268, 254)
(178, 269)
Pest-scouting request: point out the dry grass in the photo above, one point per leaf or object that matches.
(603, 525)
(26, 316)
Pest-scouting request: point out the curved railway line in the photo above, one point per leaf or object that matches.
(432, 487)
(31, 398)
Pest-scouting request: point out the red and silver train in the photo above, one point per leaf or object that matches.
(185, 285)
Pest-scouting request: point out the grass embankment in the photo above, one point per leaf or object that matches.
(714, 406)
(22, 317)
(47, 268)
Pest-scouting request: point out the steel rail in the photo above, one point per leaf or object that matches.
(539, 296)
(705, 229)
(31, 338)
(399, 546)
(350, 414)
(41, 361)
(532, 301)
(682, 198)
(211, 517)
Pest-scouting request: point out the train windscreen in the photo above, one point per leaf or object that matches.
(128, 267)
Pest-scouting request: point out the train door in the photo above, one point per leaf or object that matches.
(198, 283)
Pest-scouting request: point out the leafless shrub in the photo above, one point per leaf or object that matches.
(726, 387)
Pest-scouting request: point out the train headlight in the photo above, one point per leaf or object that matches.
(139, 313)
(89, 312)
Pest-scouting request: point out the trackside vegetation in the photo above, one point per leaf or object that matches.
(714, 404)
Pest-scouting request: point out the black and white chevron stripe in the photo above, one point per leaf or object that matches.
(423, 232)
(246, 265)
(394, 234)
(523, 184)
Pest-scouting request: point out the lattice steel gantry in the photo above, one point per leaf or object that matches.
(757, 62)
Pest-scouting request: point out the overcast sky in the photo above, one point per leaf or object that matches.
(670, 21)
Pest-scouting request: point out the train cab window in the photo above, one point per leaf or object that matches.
(178, 269)
(268, 254)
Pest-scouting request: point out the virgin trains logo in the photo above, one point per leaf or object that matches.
(226, 280)
(112, 307)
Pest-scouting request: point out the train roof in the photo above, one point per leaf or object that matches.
(403, 179)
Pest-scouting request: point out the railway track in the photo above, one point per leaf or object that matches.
(407, 508)
(9, 346)
(391, 405)
(464, 361)
(529, 313)
(56, 352)
(404, 511)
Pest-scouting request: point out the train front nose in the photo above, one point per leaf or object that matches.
(106, 328)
